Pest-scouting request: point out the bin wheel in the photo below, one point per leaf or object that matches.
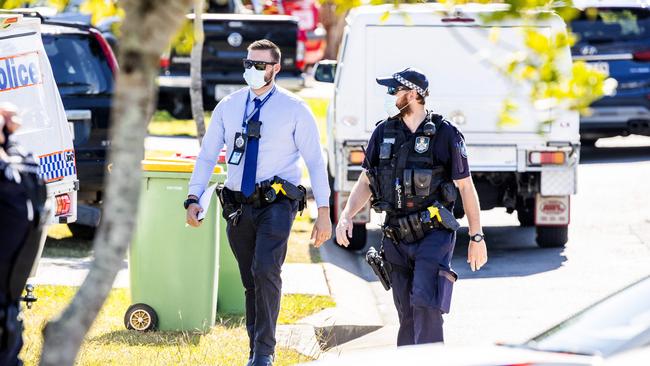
(141, 317)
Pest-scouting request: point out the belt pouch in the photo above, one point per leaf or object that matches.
(405, 230)
(414, 220)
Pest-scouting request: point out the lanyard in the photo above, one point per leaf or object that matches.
(246, 119)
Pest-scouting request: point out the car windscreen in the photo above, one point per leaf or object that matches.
(79, 64)
(605, 25)
(604, 328)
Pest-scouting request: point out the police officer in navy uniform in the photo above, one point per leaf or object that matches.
(22, 213)
(417, 162)
(266, 129)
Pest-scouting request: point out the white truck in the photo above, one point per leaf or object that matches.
(526, 167)
(26, 80)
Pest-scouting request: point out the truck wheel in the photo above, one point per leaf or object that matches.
(84, 232)
(359, 237)
(141, 317)
(552, 236)
(526, 213)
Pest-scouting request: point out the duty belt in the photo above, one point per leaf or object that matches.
(267, 192)
(412, 227)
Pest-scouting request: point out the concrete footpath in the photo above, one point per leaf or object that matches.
(297, 278)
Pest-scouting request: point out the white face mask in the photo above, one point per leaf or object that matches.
(255, 78)
(390, 105)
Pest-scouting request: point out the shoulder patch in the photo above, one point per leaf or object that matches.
(462, 149)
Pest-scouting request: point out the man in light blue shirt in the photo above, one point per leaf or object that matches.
(266, 129)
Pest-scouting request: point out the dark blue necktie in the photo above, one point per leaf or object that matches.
(250, 161)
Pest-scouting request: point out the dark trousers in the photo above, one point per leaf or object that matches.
(420, 294)
(11, 340)
(14, 228)
(259, 242)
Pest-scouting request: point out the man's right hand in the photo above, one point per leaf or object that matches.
(343, 231)
(192, 214)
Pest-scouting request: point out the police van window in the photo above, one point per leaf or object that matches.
(78, 64)
(609, 25)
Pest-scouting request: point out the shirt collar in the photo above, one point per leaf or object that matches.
(261, 97)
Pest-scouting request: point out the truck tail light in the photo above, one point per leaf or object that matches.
(356, 157)
(63, 204)
(164, 61)
(300, 49)
(642, 55)
(546, 157)
(108, 51)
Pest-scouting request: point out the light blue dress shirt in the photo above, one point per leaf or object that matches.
(288, 132)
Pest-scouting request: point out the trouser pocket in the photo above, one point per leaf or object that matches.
(446, 280)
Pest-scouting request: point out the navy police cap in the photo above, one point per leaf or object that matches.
(410, 77)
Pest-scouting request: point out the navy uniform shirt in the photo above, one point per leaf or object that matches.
(449, 148)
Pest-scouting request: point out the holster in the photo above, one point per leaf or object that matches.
(380, 266)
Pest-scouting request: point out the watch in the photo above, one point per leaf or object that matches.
(189, 201)
(478, 237)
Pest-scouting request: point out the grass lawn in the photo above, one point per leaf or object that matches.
(109, 343)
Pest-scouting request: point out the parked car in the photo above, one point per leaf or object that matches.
(227, 37)
(616, 328)
(513, 166)
(614, 37)
(84, 69)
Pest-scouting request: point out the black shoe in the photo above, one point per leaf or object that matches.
(262, 360)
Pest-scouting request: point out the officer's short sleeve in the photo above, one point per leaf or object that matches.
(458, 154)
(372, 151)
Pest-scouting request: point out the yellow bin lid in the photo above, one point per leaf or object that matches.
(172, 165)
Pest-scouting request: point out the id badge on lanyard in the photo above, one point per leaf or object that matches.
(249, 129)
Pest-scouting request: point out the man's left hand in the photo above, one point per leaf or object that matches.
(322, 227)
(477, 255)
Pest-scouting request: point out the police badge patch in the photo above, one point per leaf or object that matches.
(462, 149)
(421, 144)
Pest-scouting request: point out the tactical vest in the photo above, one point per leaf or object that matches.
(409, 178)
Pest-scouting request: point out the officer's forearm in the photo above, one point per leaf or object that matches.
(358, 197)
(472, 206)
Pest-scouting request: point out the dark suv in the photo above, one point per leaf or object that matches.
(84, 68)
(616, 39)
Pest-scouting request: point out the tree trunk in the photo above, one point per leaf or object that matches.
(334, 23)
(196, 87)
(146, 32)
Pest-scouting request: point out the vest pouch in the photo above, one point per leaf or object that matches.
(422, 181)
(387, 187)
(385, 150)
(408, 182)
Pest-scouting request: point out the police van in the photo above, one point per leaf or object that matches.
(26, 80)
(527, 167)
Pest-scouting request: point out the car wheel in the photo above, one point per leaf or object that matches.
(141, 317)
(552, 236)
(526, 212)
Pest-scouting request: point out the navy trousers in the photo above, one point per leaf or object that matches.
(14, 228)
(422, 282)
(259, 243)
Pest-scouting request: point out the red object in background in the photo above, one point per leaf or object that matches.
(308, 14)
(106, 48)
